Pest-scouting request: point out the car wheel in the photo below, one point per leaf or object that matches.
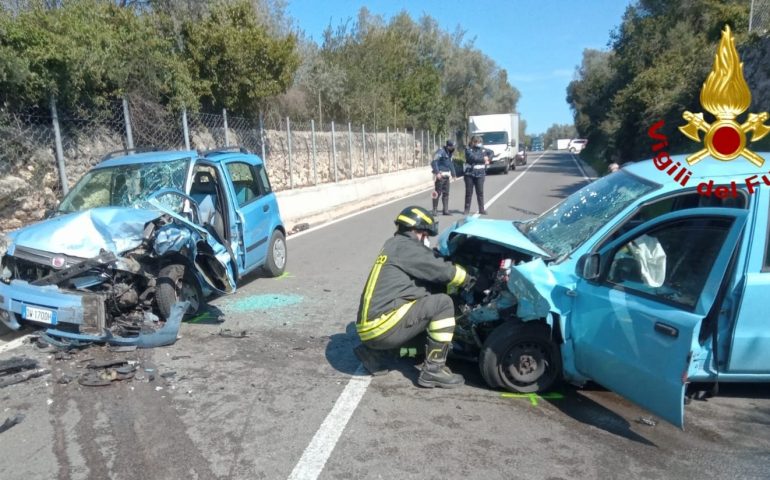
(520, 357)
(176, 283)
(507, 168)
(276, 255)
(572, 150)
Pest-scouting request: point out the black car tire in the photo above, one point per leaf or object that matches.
(521, 358)
(277, 254)
(177, 283)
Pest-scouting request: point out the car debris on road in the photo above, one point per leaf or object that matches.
(19, 369)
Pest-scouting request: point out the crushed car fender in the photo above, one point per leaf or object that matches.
(532, 283)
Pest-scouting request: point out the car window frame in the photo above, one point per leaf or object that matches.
(255, 178)
(607, 237)
(609, 257)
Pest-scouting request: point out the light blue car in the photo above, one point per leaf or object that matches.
(635, 282)
(138, 234)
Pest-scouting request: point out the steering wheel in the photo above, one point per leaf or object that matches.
(164, 199)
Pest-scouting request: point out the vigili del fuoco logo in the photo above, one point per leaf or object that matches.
(725, 95)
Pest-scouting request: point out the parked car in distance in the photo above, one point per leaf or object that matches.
(521, 156)
(137, 234)
(576, 145)
(635, 282)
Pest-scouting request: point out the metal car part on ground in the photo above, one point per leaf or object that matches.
(634, 282)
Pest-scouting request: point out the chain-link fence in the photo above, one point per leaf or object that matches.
(43, 153)
(759, 17)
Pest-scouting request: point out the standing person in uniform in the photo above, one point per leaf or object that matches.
(443, 169)
(396, 307)
(476, 160)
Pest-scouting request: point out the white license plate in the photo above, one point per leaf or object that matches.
(38, 314)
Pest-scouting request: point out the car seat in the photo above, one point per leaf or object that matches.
(204, 191)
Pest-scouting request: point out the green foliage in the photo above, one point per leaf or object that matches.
(85, 54)
(403, 72)
(660, 57)
(234, 62)
(243, 55)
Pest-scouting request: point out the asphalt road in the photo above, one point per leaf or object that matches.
(279, 395)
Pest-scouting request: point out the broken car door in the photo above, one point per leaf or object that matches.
(253, 211)
(640, 305)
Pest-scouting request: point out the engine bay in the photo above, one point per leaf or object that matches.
(487, 303)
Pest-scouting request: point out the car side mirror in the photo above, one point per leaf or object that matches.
(589, 266)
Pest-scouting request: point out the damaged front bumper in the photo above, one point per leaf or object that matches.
(75, 315)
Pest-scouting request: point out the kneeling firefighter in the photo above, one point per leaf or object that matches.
(396, 307)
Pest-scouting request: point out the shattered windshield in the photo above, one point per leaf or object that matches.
(124, 185)
(570, 223)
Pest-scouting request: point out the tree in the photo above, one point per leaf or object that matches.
(235, 63)
(660, 55)
(85, 53)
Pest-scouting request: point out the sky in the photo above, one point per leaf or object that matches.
(539, 43)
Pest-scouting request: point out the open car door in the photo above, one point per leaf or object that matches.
(642, 300)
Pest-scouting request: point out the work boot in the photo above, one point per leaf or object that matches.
(376, 362)
(435, 207)
(434, 372)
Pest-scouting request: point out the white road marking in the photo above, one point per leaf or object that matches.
(580, 167)
(501, 192)
(314, 458)
(321, 446)
(15, 343)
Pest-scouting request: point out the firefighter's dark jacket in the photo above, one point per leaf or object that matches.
(400, 273)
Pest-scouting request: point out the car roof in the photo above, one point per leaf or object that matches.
(147, 157)
(172, 155)
(224, 155)
(706, 169)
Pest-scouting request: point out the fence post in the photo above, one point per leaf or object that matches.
(363, 147)
(262, 138)
(185, 129)
(127, 119)
(350, 149)
(423, 155)
(387, 146)
(334, 154)
(398, 149)
(315, 167)
(59, 150)
(376, 153)
(224, 120)
(414, 147)
(288, 141)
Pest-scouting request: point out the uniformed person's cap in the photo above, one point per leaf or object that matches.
(450, 143)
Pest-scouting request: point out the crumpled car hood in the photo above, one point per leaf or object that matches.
(502, 232)
(85, 234)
